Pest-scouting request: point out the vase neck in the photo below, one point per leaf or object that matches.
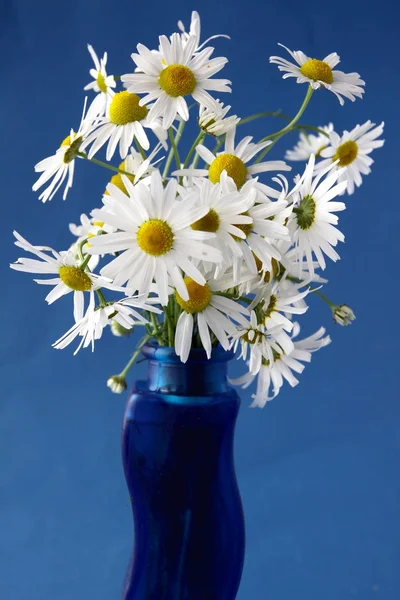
(198, 376)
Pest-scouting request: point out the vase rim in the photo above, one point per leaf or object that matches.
(198, 355)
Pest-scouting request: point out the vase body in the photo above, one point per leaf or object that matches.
(177, 448)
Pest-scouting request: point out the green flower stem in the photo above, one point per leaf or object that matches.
(85, 261)
(277, 113)
(277, 135)
(219, 144)
(105, 165)
(324, 298)
(140, 149)
(80, 250)
(174, 148)
(143, 341)
(193, 148)
(100, 295)
(171, 152)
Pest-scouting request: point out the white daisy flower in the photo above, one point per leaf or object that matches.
(233, 160)
(214, 120)
(351, 151)
(88, 228)
(126, 120)
(274, 373)
(225, 214)
(320, 73)
(210, 312)
(179, 73)
(155, 238)
(103, 85)
(62, 163)
(260, 341)
(274, 302)
(90, 326)
(309, 144)
(343, 314)
(117, 384)
(194, 30)
(70, 276)
(312, 222)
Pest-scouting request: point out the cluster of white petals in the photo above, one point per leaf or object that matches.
(225, 252)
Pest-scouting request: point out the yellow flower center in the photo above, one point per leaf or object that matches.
(101, 83)
(124, 108)
(117, 180)
(155, 237)
(275, 268)
(232, 165)
(271, 307)
(177, 80)
(75, 278)
(346, 153)
(210, 222)
(317, 70)
(256, 339)
(199, 296)
(66, 141)
(247, 228)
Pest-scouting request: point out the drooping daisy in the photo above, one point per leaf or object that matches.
(70, 276)
(90, 326)
(274, 302)
(210, 312)
(351, 151)
(155, 238)
(214, 120)
(195, 29)
(126, 119)
(233, 160)
(309, 144)
(261, 342)
(320, 73)
(178, 74)
(274, 373)
(312, 225)
(103, 85)
(62, 163)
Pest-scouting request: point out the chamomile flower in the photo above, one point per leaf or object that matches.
(351, 151)
(195, 29)
(136, 168)
(310, 144)
(155, 240)
(90, 326)
(261, 342)
(312, 225)
(274, 302)
(320, 73)
(214, 120)
(210, 312)
(282, 367)
(102, 84)
(233, 160)
(172, 75)
(88, 228)
(70, 276)
(225, 216)
(126, 120)
(62, 163)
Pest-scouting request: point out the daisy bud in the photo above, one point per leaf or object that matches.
(119, 330)
(117, 384)
(343, 314)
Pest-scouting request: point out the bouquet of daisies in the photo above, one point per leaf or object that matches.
(215, 247)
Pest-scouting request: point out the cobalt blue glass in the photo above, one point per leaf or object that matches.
(177, 448)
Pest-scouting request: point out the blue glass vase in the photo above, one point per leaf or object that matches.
(177, 449)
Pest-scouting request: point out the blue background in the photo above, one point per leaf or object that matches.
(318, 467)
